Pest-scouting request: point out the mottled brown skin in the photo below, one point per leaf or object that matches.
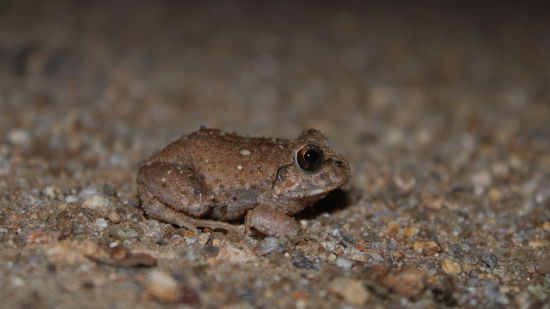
(210, 176)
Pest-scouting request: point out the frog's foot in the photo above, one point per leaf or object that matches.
(158, 210)
(272, 222)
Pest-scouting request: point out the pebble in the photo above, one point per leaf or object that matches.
(271, 245)
(71, 252)
(162, 286)
(19, 137)
(122, 232)
(109, 190)
(451, 267)
(50, 192)
(88, 192)
(230, 254)
(244, 152)
(408, 282)
(351, 290)
(299, 260)
(490, 260)
(96, 202)
(42, 237)
(71, 199)
(114, 217)
(204, 238)
(344, 263)
(429, 247)
(101, 224)
(190, 254)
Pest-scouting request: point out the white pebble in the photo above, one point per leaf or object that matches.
(344, 263)
(96, 202)
(19, 137)
(71, 199)
(101, 224)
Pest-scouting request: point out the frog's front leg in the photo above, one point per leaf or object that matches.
(272, 221)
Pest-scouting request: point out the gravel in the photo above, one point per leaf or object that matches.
(441, 109)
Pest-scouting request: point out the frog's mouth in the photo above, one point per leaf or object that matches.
(304, 193)
(293, 184)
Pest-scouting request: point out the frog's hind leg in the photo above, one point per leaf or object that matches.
(176, 195)
(176, 186)
(160, 211)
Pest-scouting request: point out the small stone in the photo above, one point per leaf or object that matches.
(299, 260)
(393, 228)
(122, 232)
(409, 282)
(351, 290)
(50, 192)
(17, 281)
(71, 199)
(211, 251)
(96, 202)
(495, 195)
(108, 190)
(451, 267)
(344, 263)
(244, 152)
(230, 254)
(482, 179)
(131, 233)
(162, 286)
(490, 260)
(538, 243)
(101, 224)
(271, 245)
(204, 238)
(114, 217)
(42, 237)
(411, 231)
(429, 247)
(70, 252)
(190, 254)
(88, 192)
(19, 137)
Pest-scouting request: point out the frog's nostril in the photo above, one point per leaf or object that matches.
(339, 163)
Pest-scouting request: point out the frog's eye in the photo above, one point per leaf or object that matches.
(310, 158)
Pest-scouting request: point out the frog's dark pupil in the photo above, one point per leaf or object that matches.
(311, 156)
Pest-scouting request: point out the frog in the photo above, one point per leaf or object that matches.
(212, 179)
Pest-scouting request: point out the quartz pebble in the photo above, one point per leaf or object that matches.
(351, 290)
(162, 286)
(451, 267)
(96, 202)
(408, 282)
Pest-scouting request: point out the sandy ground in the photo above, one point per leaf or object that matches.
(443, 113)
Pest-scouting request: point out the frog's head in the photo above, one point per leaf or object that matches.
(314, 171)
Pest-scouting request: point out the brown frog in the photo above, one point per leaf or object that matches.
(223, 176)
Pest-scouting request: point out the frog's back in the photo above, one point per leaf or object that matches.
(228, 161)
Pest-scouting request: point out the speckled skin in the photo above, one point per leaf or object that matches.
(223, 176)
